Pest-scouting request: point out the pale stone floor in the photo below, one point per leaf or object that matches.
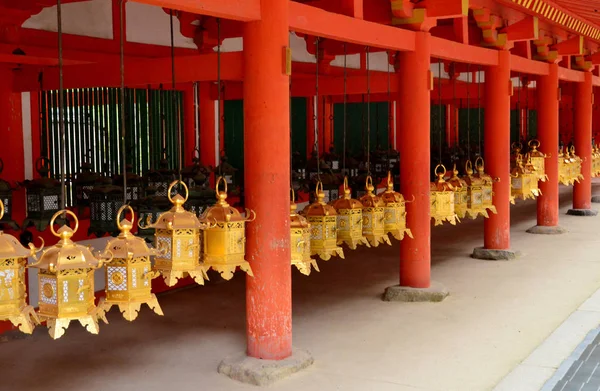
(485, 333)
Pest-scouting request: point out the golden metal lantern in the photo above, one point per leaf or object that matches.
(576, 166)
(177, 236)
(129, 274)
(524, 181)
(224, 240)
(394, 212)
(595, 161)
(564, 168)
(300, 241)
(373, 216)
(323, 227)
(442, 199)
(461, 196)
(349, 219)
(66, 282)
(479, 190)
(13, 260)
(538, 159)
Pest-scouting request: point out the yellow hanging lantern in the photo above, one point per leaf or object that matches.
(442, 199)
(538, 159)
(349, 219)
(479, 190)
(66, 282)
(323, 227)
(516, 148)
(129, 274)
(224, 242)
(300, 241)
(373, 216)
(177, 237)
(564, 168)
(13, 260)
(595, 157)
(394, 222)
(576, 166)
(524, 181)
(461, 196)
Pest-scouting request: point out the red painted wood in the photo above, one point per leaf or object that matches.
(547, 95)
(497, 150)
(582, 191)
(413, 144)
(266, 169)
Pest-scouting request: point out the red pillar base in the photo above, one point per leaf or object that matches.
(435, 293)
(487, 254)
(547, 230)
(582, 212)
(259, 372)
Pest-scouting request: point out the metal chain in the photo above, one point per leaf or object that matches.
(219, 96)
(317, 111)
(123, 128)
(439, 121)
(390, 106)
(174, 98)
(345, 108)
(519, 108)
(470, 76)
(479, 107)
(61, 120)
(527, 111)
(368, 114)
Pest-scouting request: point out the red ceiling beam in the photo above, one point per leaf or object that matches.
(242, 10)
(531, 67)
(570, 47)
(201, 67)
(315, 21)
(455, 51)
(524, 30)
(565, 74)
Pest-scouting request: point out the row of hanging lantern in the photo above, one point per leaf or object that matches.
(595, 161)
(569, 166)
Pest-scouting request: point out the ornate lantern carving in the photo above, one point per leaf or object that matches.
(323, 227)
(105, 200)
(43, 196)
(160, 179)
(129, 274)
(461, 194)
(177, 236)
(595, 161)
(13, 260)
(349, 220)
(373, 216)
(564, 168)
(524, 181)
(150, 208)
(6, 194)
(300, 241)
(479, 190)
(538, 159)
(66, 282)
(575, 166)
(394, 211)
(135, 185)
(442, 199)
(224, 241)
(85, 182)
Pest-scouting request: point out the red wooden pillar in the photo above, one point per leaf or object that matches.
(324, 108)
(267, 181)
(414, 145)
(582, 191)
(207, 118)
(498, 90)
(548, 104)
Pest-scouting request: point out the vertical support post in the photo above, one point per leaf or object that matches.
(310, 126)
(414, 106)
(582, 191)
(189, 123)
(324, 110)
(451, 125)
(548, 95)
(267, 129)
(498, 90)
(207, 118)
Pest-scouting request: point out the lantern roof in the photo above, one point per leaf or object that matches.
(127, 245)
(346, 201)
(66, 254)
(221, 211)
(10, 247)
(297, 221)
(319, 207)
(371, 200)
(389, 196)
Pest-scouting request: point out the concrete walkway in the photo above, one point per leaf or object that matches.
(497, 314)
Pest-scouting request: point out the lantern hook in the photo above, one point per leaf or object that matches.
(411, 201)
(253, 213)
(149, 222)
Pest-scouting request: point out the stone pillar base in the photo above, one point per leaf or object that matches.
(259, 372)
(494, 255)
(596, 199)
(435, 293)
(582, 212)
(545, 230)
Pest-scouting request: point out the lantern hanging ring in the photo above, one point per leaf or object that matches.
(121, 210)
(293, 195)
(184, 186)
(61, 212)
(469, 165)
(390, 181)
(443, 168)
(219, 180)
(319, 188)
(346, 187)
(534, 143)
(369, 183)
